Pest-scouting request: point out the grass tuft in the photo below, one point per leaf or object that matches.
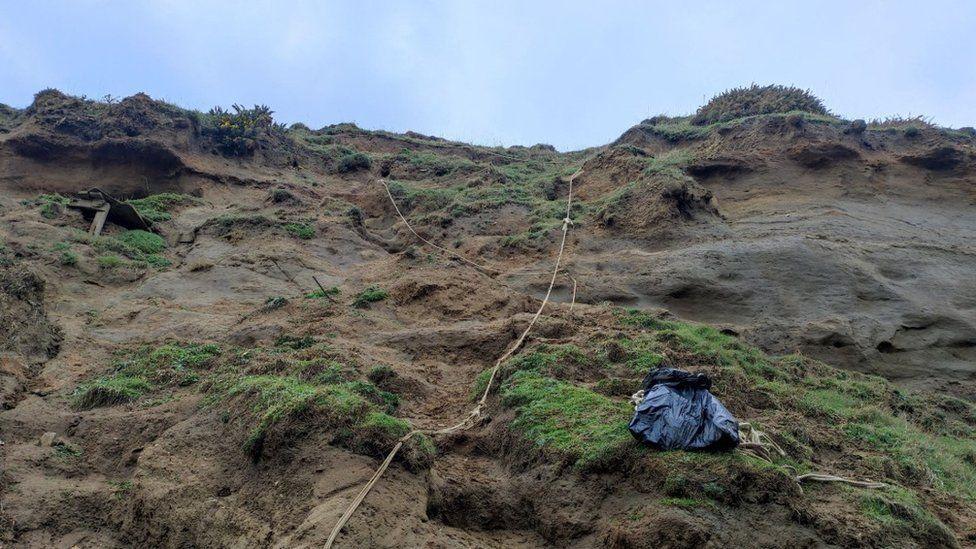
(109, 391)
(370, 295)
(303, 231)
(566, 422)
(155, 208)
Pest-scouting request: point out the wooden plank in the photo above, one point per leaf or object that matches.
(99, 221)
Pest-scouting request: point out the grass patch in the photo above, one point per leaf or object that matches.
(141, 370)
(68, 258)
(109, 391)
(65, 451)
(143, 241)
(670, 164)
(566, 422)
(828, 402)
(51, 204)
(122, 488)
(434, 164)
(141, 247)
(303, 231)
(685, 503)
(157, 207)
(921, 443)
(346, 409)
(370, 295)
(321, 294)
(900, 509)
(109, 261)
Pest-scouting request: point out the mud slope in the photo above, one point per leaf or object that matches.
(233, 378)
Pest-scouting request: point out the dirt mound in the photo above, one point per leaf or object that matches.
(661, 208)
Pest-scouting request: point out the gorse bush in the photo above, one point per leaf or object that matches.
(238, 133)
(755, 100)
(354, 162)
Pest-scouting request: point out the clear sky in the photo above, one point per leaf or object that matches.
(569, 73)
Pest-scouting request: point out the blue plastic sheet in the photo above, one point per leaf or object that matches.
(678, 412)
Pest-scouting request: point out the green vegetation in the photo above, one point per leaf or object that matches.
(303, 231)
(675, 129)
(685, 503)
(380, 373)
(294, 343)
(321, 294)
(355, 413)
(140, 371)
(670, 164)
(568, 423)
(228, 221)
(68, 258)
(141, 247)
(434, 164)
(155, 208)
(109, 261)
(226, 224)
(122, 488)
(924, 447)
(354, 162)
(109, 391)
(531, 185)
(682, 128)
(52, 204)
(67, 451)
(143, 241)
(241, 132)
(899, 509)
(756, 100)
(370, 295)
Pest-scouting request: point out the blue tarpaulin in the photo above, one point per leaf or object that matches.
(678, 412)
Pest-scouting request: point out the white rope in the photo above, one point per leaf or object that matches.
(475, 413)
(428, 242)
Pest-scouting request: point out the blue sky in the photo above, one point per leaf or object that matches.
(573, 74)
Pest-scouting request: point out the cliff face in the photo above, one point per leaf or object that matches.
(232, 377)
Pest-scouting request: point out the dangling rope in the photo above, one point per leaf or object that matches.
(759, 445)
(428, 242)
(476, 265)
(475, 413)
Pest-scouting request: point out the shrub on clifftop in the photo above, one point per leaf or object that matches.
(754, 100)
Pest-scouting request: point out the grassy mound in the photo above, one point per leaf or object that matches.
(568, 406)
(109, 391)
(755, 100)
(157, 207)
(142, 370)
(372, 294)
(143, 241)
(279, 394)
(133, 249)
